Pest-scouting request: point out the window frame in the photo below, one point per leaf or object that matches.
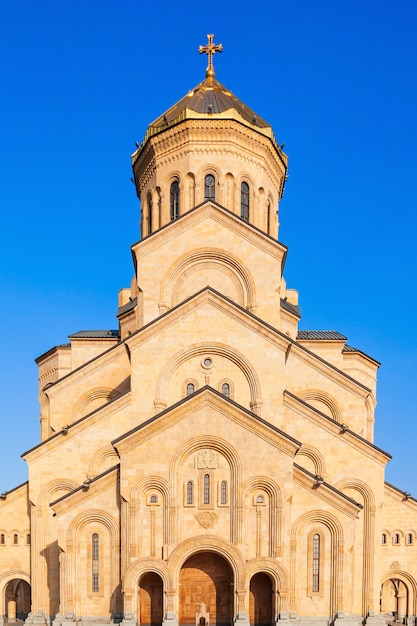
(174, 200)
(244, 201)
(315, 563)
(212, 187)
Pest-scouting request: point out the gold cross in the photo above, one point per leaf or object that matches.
(210, 49)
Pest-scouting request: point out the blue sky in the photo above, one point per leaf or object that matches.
(81, 81)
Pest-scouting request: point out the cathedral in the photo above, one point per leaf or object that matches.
(207, 462)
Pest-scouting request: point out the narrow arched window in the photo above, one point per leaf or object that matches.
(209, 187)
(206, 489)
(28, 539)
(153, 499)
(174, 200)
(2, 539)
(268, 217)
(190, 492)
(150, 208)
(396, 538)
(409, 539)
(383, 538)
(316, 562)
(226, 390)
(223, 492)
(95, 562)
(190, 389)
(244, 201)
(15, 539)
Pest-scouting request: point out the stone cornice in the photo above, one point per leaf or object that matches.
(400, 496)
(74, 429)
(94, 487)
(207, 397)
(326, 492)
(96, 363)
(221, 215)
(201, 135)
(335, 428)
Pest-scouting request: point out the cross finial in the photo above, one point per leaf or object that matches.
(210, 49)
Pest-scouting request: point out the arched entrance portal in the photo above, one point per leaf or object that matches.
(151, 600)
(17, 600)
(260, 600)
(394, 599)
(206, 578)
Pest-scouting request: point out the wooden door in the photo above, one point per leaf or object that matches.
(207, 578)
(151, 604)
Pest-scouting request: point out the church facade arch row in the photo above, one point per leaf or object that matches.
(410, 583)
(213, 264)
(265, 484)
(5, 578)
(133, 575)
(208, 543)
(268, 525)
(226, 261)
(275, 570)
(192, 189)
(92, 397)
(147, 484)
(301, 531)
(206, 442)
(93, 516)
(368, 539)
(234, 461)
(213, 348)
(49, 491)
(316, 457)
(317, 395)
(102, 459)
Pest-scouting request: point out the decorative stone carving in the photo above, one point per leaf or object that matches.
(206, 518)
(207, 459)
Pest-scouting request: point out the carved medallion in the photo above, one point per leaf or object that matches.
(206, 519)
(207, 459)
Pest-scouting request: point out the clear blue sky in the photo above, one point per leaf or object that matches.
(80, 81)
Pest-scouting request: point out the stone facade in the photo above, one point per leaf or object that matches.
(208, 462)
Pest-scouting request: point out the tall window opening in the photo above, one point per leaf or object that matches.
(223, 492)
(95, 562)
(316, 562)
(244, 201)
(175, 200)
(15, 539)
(149, 213)
(206, 499)
(190, 492)
(209, 187)
(268, 217)
(190, 389)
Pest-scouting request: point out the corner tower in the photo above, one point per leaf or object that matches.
(209, 146)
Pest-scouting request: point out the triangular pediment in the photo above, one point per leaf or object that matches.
(209, 211)
(197, 405)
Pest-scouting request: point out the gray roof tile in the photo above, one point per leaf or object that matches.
(129, 306)
(95, 334)
(291, 308)
(323, 335)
